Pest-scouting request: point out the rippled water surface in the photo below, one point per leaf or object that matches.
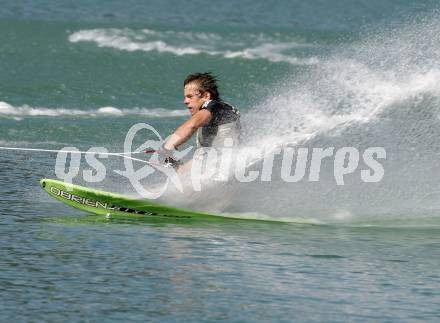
(311, 74)
(68, 268)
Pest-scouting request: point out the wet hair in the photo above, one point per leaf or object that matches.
(205, 82)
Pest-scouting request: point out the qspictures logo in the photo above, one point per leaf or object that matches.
(242, 164)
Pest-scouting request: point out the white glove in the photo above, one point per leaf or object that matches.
(167, 157)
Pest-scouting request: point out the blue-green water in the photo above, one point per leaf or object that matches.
(311, 74)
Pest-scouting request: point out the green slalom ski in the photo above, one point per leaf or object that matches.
(115, 205)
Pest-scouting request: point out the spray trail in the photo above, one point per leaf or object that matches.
(381, 92)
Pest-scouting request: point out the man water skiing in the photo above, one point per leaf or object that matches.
(213, 119)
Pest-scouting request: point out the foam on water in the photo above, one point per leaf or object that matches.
(28, 111)
(256, 46)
